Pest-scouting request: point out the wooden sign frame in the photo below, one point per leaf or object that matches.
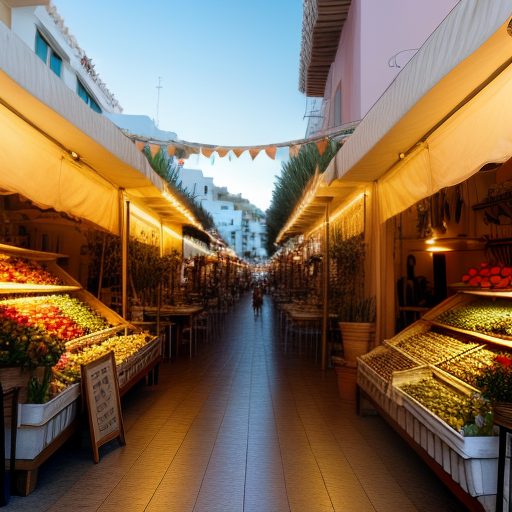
(100, 389)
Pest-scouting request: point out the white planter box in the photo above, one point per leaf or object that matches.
(33, 439)
(38, 414)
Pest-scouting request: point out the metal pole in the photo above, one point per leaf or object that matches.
(125, 237)
(325, 288)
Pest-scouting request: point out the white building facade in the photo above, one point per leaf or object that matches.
(41, 28)
(241, 224)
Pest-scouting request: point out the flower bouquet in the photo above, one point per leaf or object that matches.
(495, 382)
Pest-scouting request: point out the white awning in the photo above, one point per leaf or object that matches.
(42, 121)
(444, 116)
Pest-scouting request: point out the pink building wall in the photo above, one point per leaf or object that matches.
(376, 30)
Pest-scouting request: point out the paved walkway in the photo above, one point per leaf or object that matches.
(242, 427)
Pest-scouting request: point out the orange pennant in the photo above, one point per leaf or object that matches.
(238, 151)
(294, 150)
(254, 152)
(154, 149)
(271, 152)
(171, 150)
(140, 145)
(322, 146)
(222, 152)
(207, 152)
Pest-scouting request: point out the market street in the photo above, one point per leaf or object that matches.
(242, 426)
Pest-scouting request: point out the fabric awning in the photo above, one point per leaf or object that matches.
(444, 116)
(39, 166)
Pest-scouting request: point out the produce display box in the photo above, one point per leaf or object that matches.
(138, 364)
(369, 372)
(468, 298)
(434, 342)
(466, 447)
(47, 260)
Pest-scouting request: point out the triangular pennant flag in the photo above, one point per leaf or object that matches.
(171, 150)
(271, 152)
(207, 152)
(322, 146)
(254, 152)
(140, 145)
(238, 151)
(294, 150)
(222, 152)
(154, 149)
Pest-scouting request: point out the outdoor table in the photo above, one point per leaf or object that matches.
(306, 320)
(181, 314)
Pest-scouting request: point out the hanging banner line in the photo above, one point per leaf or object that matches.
(183, 149)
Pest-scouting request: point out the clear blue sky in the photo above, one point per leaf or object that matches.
(229, 73)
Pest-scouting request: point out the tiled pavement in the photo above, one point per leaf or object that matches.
(242, 427)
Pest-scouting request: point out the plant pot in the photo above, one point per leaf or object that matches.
(347, 381)
(356, 338)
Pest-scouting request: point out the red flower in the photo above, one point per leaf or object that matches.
(504, 360)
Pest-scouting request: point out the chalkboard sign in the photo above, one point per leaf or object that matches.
(101, 391)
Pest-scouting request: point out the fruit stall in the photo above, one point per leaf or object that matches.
(425, 382)
(50, 327)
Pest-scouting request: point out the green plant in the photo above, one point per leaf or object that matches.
(169, 171)
(290, 185)
(495, 381)
(357, 310)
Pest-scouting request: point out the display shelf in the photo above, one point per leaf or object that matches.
(30, 254)
(43, 428)
(467, 464)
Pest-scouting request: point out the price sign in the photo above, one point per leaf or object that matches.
(101, 392)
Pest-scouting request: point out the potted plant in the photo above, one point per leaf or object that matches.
(495, 383)
(357, 326)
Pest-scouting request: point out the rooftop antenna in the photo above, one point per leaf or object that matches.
(158, 87)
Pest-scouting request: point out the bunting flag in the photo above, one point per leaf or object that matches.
(254, 152)
(154, 149)
(322, 146)
(222, 152)
(294, 150)
(207, 152)
(183, 149)
(271, 152)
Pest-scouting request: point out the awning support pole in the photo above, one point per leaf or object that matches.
(125, 237)
(325, 287)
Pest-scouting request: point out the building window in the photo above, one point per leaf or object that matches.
(224, 207)
(47, 54)
(205, 189)
(87, 97)
(337, 107)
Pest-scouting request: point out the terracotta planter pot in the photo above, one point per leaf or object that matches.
(347, 381)
(356, 338)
